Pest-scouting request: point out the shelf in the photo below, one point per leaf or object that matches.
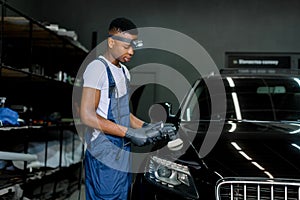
(22, 28)
(11, 74)
(35, 45)
(33, 56)
(37, 183)
(42, 140)
(43, 94)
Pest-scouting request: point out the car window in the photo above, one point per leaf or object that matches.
(287, 103)
(252, 105)
(255, 98)
(198, 106)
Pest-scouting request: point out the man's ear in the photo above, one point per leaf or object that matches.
(110, 42)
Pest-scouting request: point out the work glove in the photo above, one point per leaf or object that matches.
(137, 136)
(160, 131)
(156, 125)
(169, 130)
(151, 133)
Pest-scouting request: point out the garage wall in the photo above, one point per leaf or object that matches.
(218, 25)
(231, 25)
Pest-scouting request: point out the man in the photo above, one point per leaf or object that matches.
(105, 109)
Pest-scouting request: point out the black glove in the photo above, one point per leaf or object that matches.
(151, 133)
(145, 135)
(169, 130)
(137, 136)
(161, 131)
(152, 125)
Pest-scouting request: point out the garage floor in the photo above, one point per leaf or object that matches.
(78, 195)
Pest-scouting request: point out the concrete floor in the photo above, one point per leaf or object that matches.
(78, 195)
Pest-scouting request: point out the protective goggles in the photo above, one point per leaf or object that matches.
(134, 43)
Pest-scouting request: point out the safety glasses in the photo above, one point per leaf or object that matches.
(134, 43)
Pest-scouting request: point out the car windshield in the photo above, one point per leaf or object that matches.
(248, 98)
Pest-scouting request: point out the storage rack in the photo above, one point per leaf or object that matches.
(32, 58)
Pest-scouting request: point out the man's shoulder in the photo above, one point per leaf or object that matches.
(95, 69)
(96, 64)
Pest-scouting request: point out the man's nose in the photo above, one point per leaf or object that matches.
(131, 51)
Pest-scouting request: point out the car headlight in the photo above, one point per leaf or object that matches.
(171, 176)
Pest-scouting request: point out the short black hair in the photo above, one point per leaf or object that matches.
(123, 24)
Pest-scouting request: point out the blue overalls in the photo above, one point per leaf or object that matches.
(107, 159)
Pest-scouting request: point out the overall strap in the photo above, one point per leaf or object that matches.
(127, 80)
(111, 80)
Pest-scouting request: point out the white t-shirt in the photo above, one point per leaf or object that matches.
(95, 76)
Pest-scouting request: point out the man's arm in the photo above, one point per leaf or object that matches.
(135, 122)
(89, 103)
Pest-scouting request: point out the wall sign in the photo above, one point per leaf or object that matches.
(262, 60)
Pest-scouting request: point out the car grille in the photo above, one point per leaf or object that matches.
(258, 189)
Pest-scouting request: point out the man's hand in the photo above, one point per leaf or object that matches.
(151, 133)
(160, 131)
(137, 136)
(169, 130)
(156, 125)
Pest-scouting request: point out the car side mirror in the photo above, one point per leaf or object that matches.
(158, 112)
(161, 112)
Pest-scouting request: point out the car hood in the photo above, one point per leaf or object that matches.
(251, 149)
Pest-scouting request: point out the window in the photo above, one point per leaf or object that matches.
(251, 98)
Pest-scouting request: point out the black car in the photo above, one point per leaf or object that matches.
(255, 156)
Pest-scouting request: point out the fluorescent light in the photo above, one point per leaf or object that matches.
(233, 126)
(258, 166)
(296, 146)
(236, 106)
(297, 80)
(236, 146)
(188, 114)
(245, 155)
(230, 81)
(296, 131)
(268, 174)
